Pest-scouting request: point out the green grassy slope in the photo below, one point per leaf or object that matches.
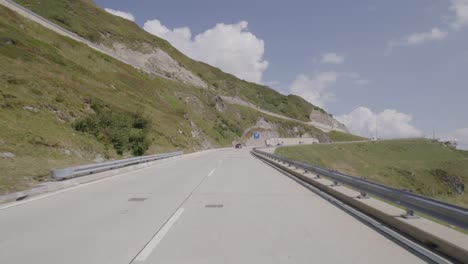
(48, 82)
(422, 166)
(337, 136)
(89, 21)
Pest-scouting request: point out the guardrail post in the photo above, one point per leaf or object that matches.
(363, 195)
(409, 214)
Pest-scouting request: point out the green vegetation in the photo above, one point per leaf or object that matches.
(337, 136)
(123, 130)
(425, 167)
(49, 86)
(89, 21)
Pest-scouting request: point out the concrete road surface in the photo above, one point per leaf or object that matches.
(221, 206)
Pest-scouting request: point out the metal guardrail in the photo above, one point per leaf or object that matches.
(72, 172)
(452, 214)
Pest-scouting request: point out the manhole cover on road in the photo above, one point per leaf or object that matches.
(136, 199)
(214, 206)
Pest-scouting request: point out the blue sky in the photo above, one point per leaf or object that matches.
(399, 65)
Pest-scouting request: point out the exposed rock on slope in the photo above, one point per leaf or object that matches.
(454, 183)
(267, 130)
(197, 134)
(326, 119)
(318, 118)
(154, 60)
(270, 130)
(219, 104)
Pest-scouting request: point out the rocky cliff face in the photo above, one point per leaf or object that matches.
(269, 130)
(327, 119)
(156, 61)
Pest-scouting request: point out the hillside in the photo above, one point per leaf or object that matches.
(63, 103)
(422, 166)
(126, 39)
(337, 136)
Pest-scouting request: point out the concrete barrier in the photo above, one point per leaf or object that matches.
(290, 141)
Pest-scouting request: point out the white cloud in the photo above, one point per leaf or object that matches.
(315, 89)
(457, 22)
(362, 82)
(332, 58)
(121, 14)
(388, 123)
(230, 47)
(460, 8)
(435, 34)
(356, 78)
(273, 84)
(461, 136)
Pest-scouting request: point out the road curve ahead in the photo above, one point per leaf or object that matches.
(220, 206)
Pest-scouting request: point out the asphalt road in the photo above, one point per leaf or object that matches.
(221, 206)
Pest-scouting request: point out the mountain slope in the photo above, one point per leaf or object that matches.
(125, 38)
(50, 85)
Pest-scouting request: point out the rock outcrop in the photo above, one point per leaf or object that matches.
(156, 61)
(327, 119)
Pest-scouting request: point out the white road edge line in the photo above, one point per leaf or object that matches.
(211, 172)
(149, 248)
(79, 185)
(53, 193)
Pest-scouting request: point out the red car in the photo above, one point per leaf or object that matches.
(238, 146)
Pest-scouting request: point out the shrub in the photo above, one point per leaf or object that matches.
(61, 19)
(125, 131)
(224, 125)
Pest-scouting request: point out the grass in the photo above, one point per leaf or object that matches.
(337, 136)
(91, 22)
(47, 84)
(422, 166)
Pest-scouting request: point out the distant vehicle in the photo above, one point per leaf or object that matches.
(238, 146)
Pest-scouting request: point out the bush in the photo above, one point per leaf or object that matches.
(123, 130)
(62, 20)
(139, 143)
(224, 125)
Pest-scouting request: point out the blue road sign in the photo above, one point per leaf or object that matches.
(256, 135)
